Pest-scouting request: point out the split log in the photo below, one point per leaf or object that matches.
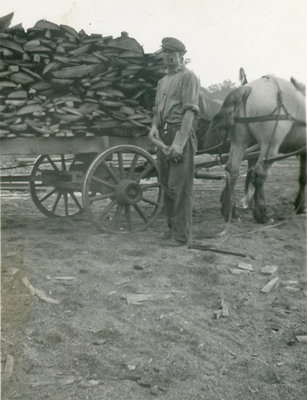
(270, 285)
(8, 368)
(49, 62)
(198, 246)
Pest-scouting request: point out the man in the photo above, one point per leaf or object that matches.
(175, 108)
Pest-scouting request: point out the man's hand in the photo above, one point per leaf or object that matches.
(154, 133)
(155, 139)
(176, 152)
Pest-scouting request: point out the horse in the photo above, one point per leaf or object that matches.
(208, 108)
(266, 114)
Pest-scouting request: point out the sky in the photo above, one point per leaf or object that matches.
(262, 36)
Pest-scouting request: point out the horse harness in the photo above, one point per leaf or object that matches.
(274, 116)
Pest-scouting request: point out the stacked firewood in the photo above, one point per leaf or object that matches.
(55, 81)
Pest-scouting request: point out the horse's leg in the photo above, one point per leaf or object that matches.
(270, 136)
(246, 201)
(299, 202)
(229, 209)
(260, 172)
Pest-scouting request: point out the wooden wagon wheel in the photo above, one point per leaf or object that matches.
(122, 191)
(54, 184)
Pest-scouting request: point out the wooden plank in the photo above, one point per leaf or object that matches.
(64, 145)
(15, 179)
(18, 186)
(204, 175)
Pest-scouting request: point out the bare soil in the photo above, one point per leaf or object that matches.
(118, 317)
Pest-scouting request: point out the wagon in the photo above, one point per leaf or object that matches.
(114, 180)
(115, 184)
(56, 84)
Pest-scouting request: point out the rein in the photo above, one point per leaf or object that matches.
(281, 157)
(269, 117)
(217, 146)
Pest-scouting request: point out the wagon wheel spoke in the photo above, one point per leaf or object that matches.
(63, 165)
(121, 164)
(128, 217)
(101, 197)
(140, 212)
(47, 195)
(144, 173)
(72, 195)
(66, 203)
(110, 172)
(133, 165)
(59, 195)
(53, 164)
(154, 203)
(107, 209)
(103, 182)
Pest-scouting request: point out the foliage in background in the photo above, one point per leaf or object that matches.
(220, 90)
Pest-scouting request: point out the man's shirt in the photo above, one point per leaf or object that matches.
(176, 93)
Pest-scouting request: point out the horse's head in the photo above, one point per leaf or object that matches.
(208, 108)
(223, 120)
(217, 130)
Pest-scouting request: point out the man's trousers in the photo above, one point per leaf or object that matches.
(177, 179)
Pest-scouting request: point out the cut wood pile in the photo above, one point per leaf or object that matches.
(55, 81)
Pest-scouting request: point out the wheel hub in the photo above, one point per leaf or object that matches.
(128, 192)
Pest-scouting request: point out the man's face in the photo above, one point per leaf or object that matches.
(171, 58)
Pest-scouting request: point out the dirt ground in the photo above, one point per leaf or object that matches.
(94, 316)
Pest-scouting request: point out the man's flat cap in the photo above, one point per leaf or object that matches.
(170, 43)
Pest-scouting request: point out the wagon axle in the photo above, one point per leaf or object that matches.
(68, 180)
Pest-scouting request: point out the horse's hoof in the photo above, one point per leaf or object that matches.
(263, 219)
(261, 216)
(302, 210)
(236, 218)
(233, 219)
